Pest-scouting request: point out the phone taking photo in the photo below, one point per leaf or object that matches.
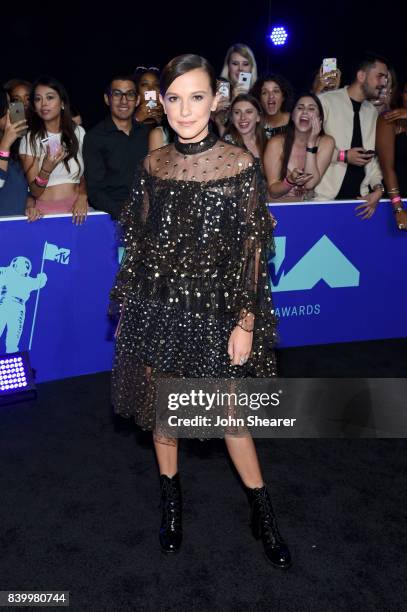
(245, 79)
(329, 64)
(54, 144)
(223, 88)
(17, 113)
(150, 97)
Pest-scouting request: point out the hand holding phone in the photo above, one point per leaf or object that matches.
(150, 98)
(329, 64)
(17, 114)
(54, 144)
(244, 80)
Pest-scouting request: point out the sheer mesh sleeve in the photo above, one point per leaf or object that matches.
(132, 223)
(252, 300)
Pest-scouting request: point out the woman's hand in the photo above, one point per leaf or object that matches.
(297, 177)
(12, 131)
(144, 113)
(395, 115)
(80, 210)
(328, 81)
(51, 161)
(368, 208)
(32, 213)
(239, 346)
(316, 126)
(401, 220)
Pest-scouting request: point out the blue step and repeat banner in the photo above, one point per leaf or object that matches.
(335, 278)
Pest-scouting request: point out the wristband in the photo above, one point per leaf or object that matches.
(398, 209)
(41, 182)
(5, 154)
(312, 150)
(288, 183)
(342, 155)
(395, 200)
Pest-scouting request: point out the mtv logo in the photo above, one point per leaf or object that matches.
(53, 253)
(324, 261)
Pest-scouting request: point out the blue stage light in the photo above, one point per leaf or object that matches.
(278, 36)
(16, 378)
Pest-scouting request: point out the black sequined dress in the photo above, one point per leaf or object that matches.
(197, 235)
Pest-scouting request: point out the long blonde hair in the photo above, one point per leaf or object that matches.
(247, 53)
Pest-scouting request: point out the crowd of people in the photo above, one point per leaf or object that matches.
(328, 143)
(193, 292)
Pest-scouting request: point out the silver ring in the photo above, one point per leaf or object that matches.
(242, 361)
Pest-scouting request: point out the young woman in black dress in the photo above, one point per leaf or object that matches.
(193, 289)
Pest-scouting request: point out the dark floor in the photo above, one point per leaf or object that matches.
(79, 507)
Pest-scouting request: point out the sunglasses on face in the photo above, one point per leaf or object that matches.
(118, 94)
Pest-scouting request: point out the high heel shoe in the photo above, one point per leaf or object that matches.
(171, 523)
(264, 526)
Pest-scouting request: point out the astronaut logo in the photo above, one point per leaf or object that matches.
(16, 286)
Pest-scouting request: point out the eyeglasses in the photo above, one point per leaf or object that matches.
(118, 94)
(144, 68)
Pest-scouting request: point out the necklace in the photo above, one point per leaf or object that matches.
(191, 148)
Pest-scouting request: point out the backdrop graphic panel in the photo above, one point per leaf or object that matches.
(334, 277)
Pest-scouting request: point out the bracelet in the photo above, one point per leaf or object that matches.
(289, 183)
(3, 158)
(394, 190)
(378, 186)
(312, 150)
(40, 182)
(249, 331)
(47, 172)
(395, 199)
(398, 209)
(5, 154)
(342, 155)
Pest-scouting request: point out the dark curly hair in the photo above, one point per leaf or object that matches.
(283, 84)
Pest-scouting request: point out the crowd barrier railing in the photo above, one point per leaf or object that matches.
(335, 278)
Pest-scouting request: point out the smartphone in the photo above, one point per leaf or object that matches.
(329, 64)
(245, 79)
(370, 152)
(17, 113)
(224, 89)
(150, 97)
(54, 144)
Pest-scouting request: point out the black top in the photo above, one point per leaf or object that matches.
(275, 131)
(350, 188)
(110, 158)
(400, 162)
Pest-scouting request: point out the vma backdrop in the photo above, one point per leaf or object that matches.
(334, 278)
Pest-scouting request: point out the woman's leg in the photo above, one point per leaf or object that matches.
(243, 453)
(167, 455)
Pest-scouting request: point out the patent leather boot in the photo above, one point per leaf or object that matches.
(171, 523)
(264, 526)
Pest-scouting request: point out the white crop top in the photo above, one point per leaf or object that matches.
(60, 174)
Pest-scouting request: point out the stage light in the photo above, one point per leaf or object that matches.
(278, 36)
(16, 378)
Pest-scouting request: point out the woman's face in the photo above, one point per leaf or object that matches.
(47, 103)
(21, 93)
(304, 110)
(245, 117)
(188, 103)
(148, 82)
(238, 63)
(271, 98)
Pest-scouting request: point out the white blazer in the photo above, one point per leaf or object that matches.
(338, 123)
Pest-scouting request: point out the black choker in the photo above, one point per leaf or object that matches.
(191, 148)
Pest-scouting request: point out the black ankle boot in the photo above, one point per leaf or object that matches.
(171, 523)
(264, 526)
